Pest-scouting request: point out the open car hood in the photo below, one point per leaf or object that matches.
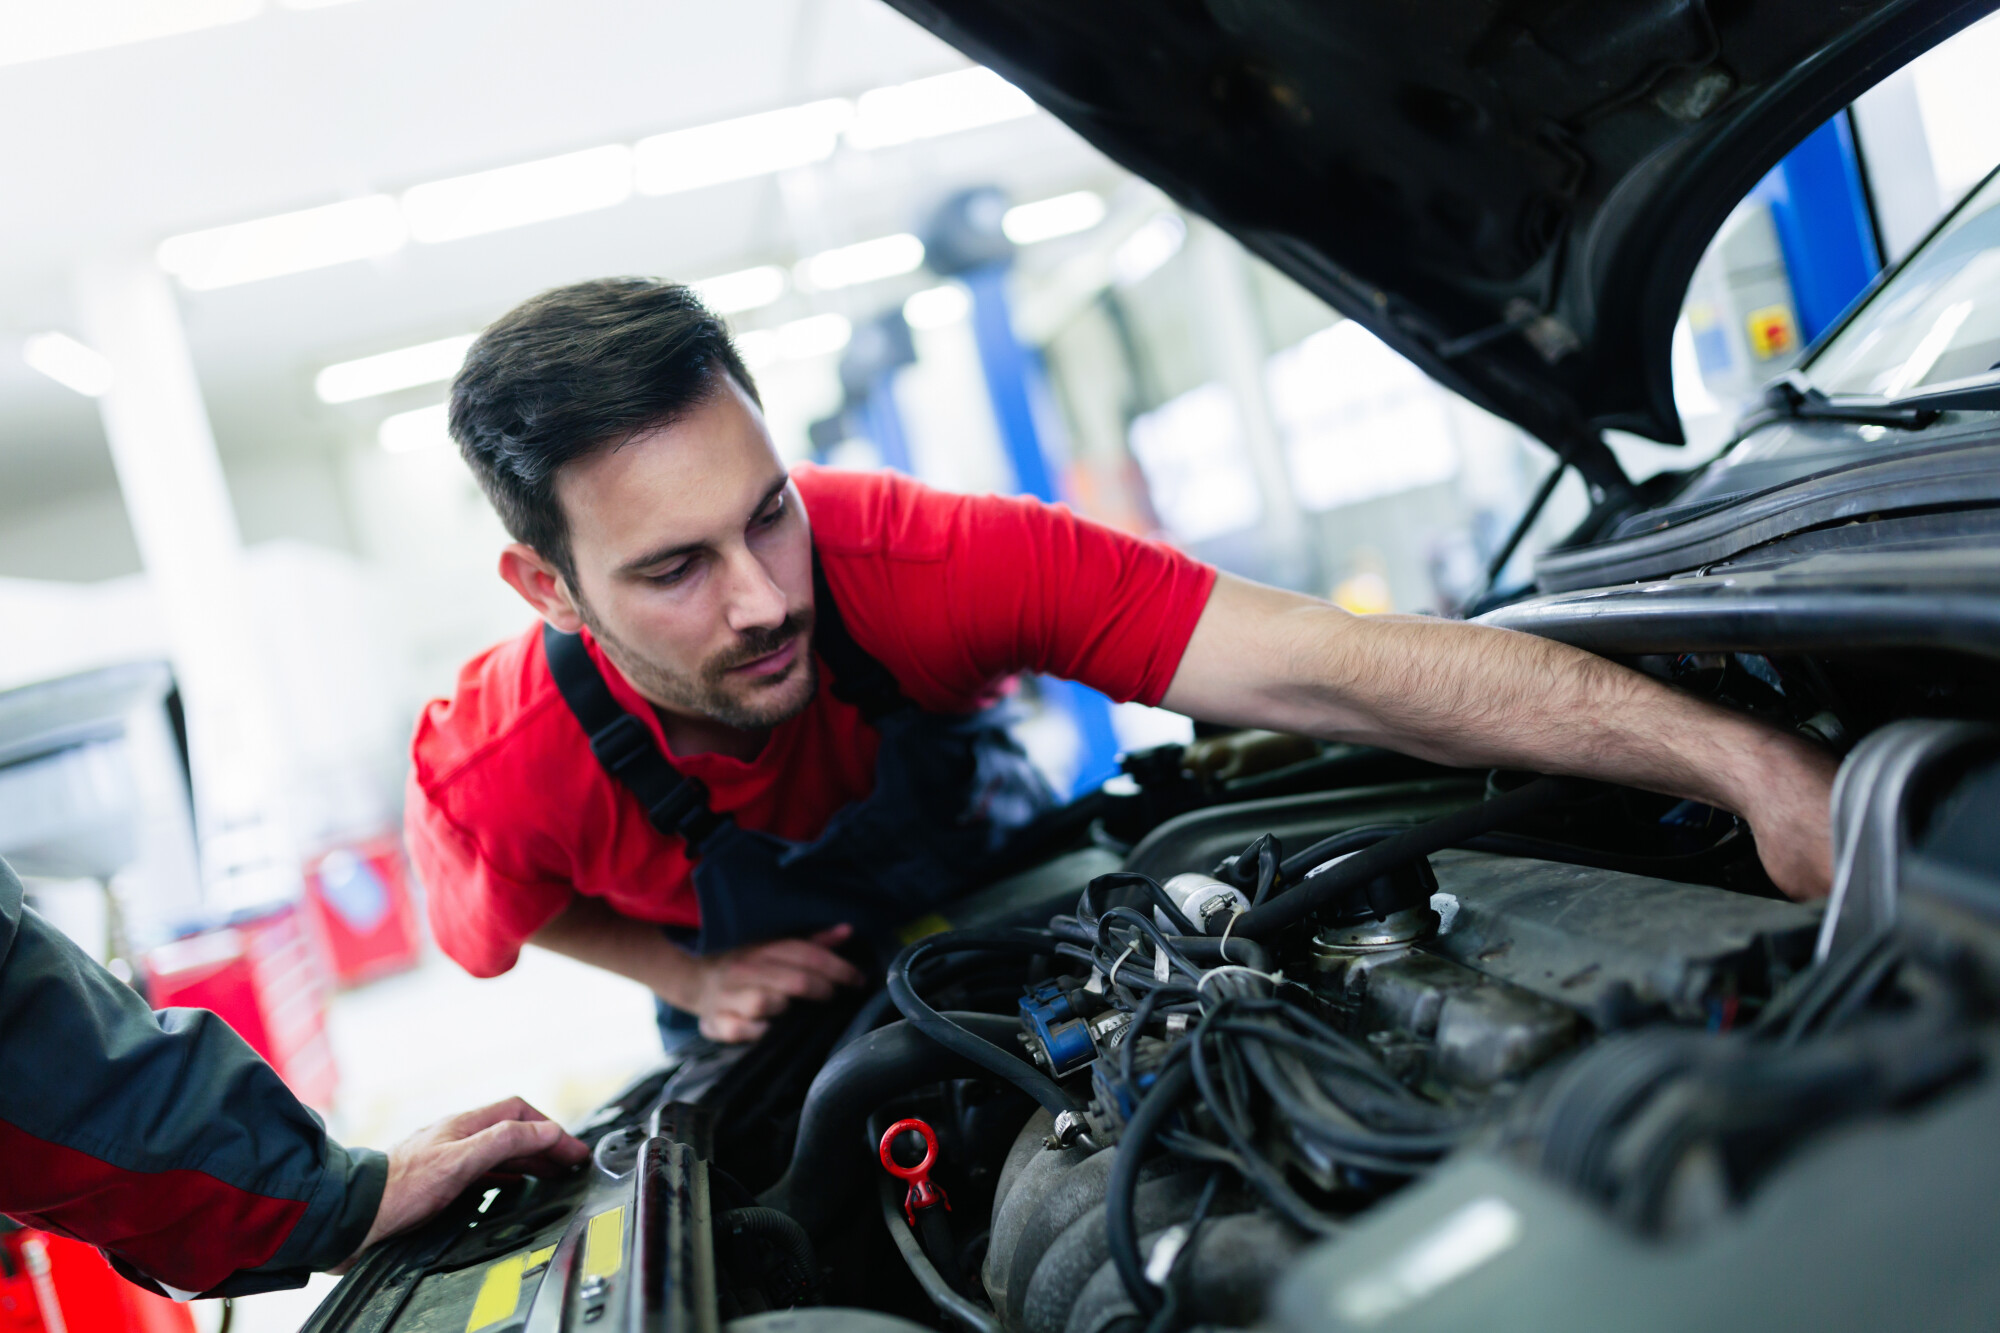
(1511, 193)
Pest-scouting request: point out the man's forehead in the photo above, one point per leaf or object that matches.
(688, 481)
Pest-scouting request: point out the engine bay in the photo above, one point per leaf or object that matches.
(1322, 1055)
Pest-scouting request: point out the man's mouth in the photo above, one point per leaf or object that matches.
(770, 664)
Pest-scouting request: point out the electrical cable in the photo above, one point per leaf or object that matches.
(1167, 1319)
(1121, 1189)
(1321, 890)
(956, 1039)
(1261, 1175)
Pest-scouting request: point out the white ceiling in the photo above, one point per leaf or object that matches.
(110, 151)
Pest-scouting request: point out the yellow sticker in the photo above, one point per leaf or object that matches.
(536, 1258)
(922, 928)
(499, 1295)
(1772, 331)
(604, 1243)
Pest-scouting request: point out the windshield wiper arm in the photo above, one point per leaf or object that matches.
(1790, 395)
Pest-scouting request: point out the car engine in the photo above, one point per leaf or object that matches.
(1352, 1042)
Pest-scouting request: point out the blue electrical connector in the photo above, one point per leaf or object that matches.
(1058, 1036)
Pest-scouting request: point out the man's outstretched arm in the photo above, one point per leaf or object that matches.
(1472, 695)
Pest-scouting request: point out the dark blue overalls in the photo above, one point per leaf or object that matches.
(949, 793)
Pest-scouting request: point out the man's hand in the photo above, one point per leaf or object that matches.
(434, 1165)
(738, 993)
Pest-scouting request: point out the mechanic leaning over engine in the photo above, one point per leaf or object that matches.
(167, 1142)
(758, 717)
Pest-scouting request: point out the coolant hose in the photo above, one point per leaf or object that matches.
(955, 1037)
(1321, 890)
(831, 1156)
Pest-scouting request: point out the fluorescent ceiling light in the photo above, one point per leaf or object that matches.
(554, 187)
(1046, 219)
(883, 257)
(816, 335)
(288, 243)
(737, 149)
(745, 289)
(929, 107)
(69, 363)
(386, 372)
(409, 432)
(1153, 244)
(935, 307)
(45, 28)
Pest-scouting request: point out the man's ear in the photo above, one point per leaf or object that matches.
(541, 586)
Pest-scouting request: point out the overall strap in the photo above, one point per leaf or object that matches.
(675, 803)
(858, 678)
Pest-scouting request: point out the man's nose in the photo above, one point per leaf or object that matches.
(755, 599)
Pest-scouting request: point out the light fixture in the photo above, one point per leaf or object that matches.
(867, 261)
(487, 201)
(942, 104)
(737, 149)
(287, 243)
(411, 432)
(815, 335)
(69, 363)
(935, 307)
(1046, 219)
(1156, 241)
(745, 289)
(386, 372)
(39, 31)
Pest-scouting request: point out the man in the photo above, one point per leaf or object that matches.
(168, 1143)
(750, 724)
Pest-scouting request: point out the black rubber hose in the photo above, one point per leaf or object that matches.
(786, 1236)
(830, 1156)
(1121, 1189)
(1212, 951)
(1294, 868)
(955, 1037)
(1447, 831)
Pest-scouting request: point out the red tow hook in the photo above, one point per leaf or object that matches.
(924, 1192)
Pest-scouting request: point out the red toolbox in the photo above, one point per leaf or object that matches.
(264, 976)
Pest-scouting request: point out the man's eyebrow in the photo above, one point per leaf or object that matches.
(667, 553)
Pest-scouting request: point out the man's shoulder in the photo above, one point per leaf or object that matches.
(882, 514)
(504, 701)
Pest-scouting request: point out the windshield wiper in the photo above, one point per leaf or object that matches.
(1790, 395)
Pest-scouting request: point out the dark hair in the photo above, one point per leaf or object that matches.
(575, 370)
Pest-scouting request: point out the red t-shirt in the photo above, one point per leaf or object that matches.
(508, 812)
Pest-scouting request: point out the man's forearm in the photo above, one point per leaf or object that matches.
(591, 932)
(1471, 695)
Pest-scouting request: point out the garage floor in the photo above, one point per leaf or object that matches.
(420, 1046)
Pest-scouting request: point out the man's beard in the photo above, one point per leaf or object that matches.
(748, 704)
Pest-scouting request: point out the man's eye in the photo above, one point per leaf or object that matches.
(668, 577)
(769, 516)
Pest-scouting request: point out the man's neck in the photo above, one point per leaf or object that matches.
(689, 734)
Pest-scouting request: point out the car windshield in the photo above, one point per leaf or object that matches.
(1936, 320)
